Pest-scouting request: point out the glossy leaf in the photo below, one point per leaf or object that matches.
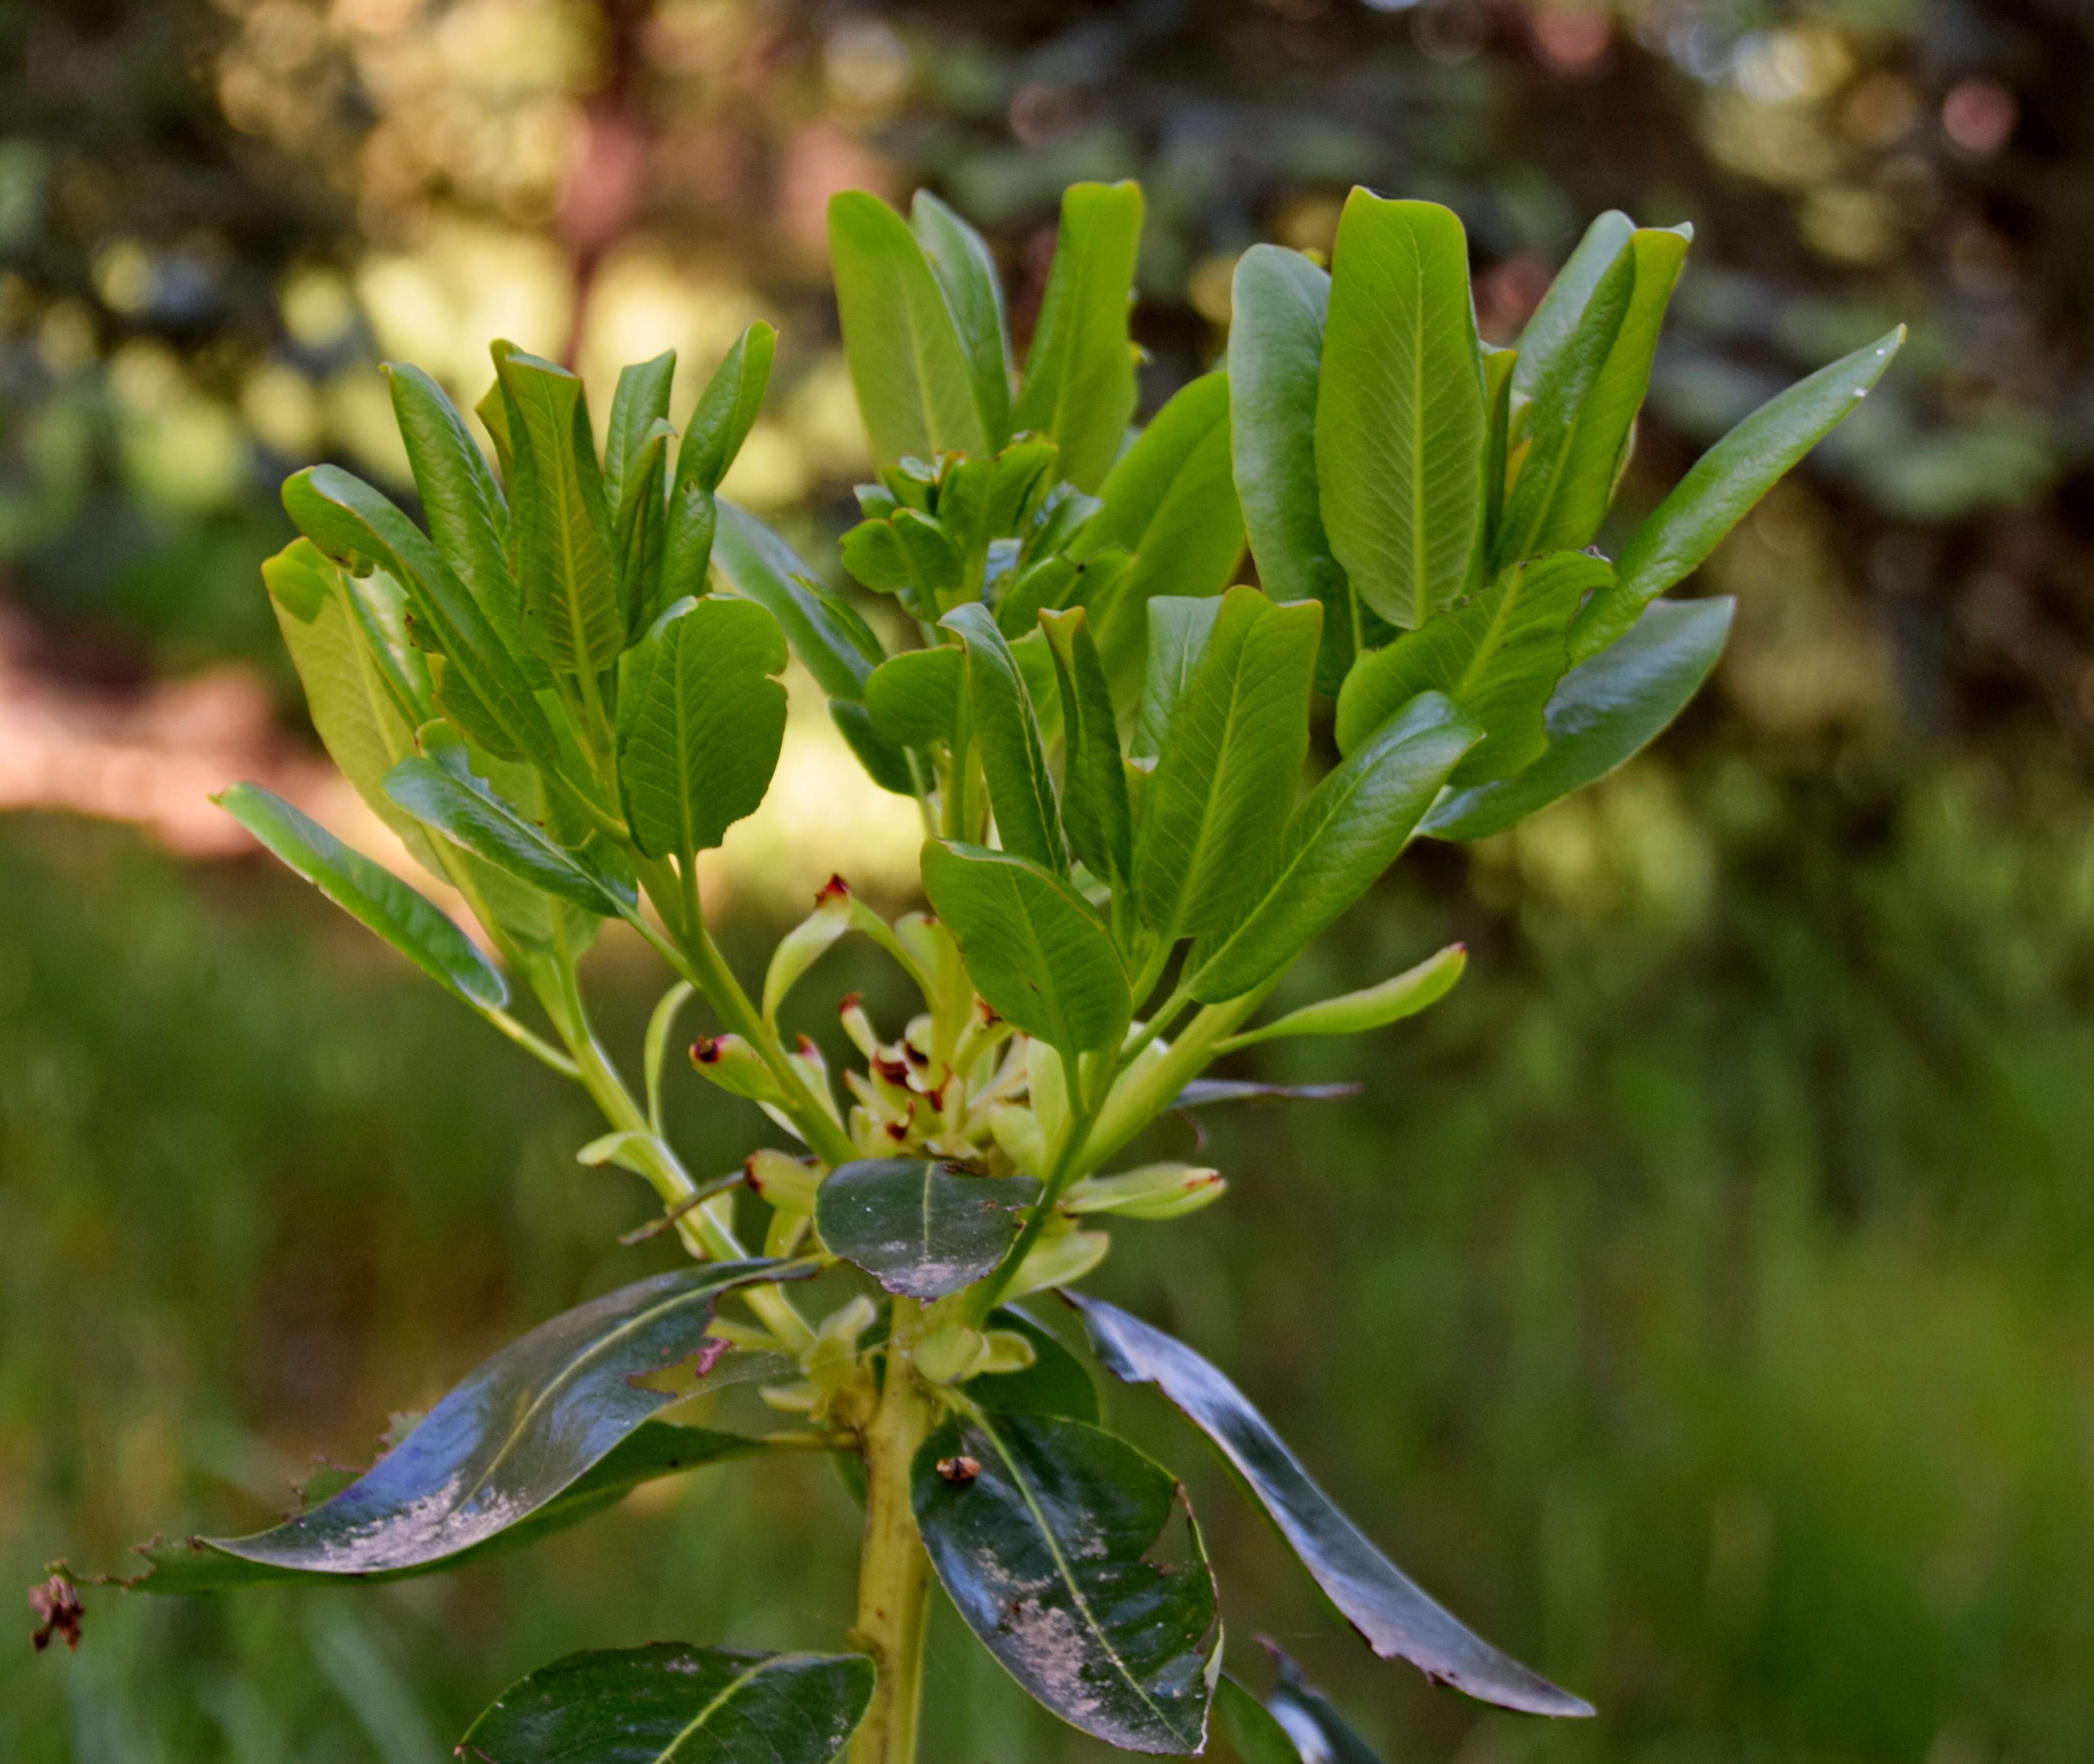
(920, 1228)
(1548, 334)
(915, 697)
(700, 720)
(669, 1703)
(1213, 813)
(759, 566)
(1603, 712)
(1724, 483)
(1498, 655)
(911, 372)
(370, 894)
(1007, 731)
(1279, 303)
(1397, 1620)
(1178, 633)
(1078, 388)
(1048, 1555)
(1056, 1383)
(640, 402)
(1347, 832)
(1094, 803)
(726, 411)
(1319, 1732)
(1400, 408)
(967, 273)
(1372, 1007)
(638, 524)
(1252, 1728)
(1034, 948)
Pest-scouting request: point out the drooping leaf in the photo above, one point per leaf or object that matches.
(1372, 1007)
(1178, 632)
(1724, 483)
(1213, 813)
(1047, 1552)
(700, 720)
(759, 566)
(1319, 1733)
(726, 411)
(1078, 387)
(1033, 946)
(1057, 1383)
(911, 372)
(1498, 655)
(1397, 1620)
(670, 1703)
(369, 892)
(915, 697)
(1603, 712)
(967, 273)
(1006, 729)
(1251, 1728)
(1400, 407)
(920, 1228)
(1348, 830)
(1278, 304)
(640, 402)
(1094, 803)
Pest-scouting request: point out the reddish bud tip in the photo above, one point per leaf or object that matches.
(849, 1002)
(836, 888)
(704, 1051)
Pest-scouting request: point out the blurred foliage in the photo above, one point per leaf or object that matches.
(1716, 1262)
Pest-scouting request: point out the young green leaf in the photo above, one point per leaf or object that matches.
(641, 402)
(934, 563)
(1178, 633)
(701, 721)
(1499, 656)
(1499, 365)
(1078, 388)
(1400, 408)
(1237, 739)
(1278, 302)
(915, 697)
(1397, 1620)
(920, 1228)
(1034, 948)
(1021, 789)
(369, 892)
(637, 528)
(669, 1703)
(1724, 483)
(1048, 1552)
(1094, 804)
(966, 274)
(1603, 712)
(1549, 331)
(1057, 1383)
(721, 423)
(1348, 830)
(1372, 1007)
(912, 373)
(759, 566)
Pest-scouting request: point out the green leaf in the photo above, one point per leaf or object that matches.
(1078, 388)
(1205, 1093)
(1178, 633)
(1171, 502)
(1397, 1620)
(1049, 1554)
(354, 524)
(1347, 831)
(1400, 408)
(1094, 804)
(934, 563)
(726, 411)
(911, 372)
(1021, 789)
(1306, 1716)
(670, 1703)
(884, 762)
(1033, 946)
(369, 892)
(1251, 1728)
(1548, 334)
(700, 720)
(1499, 365)
(1602, 714)
(1499, 657)
(638, 529)
(1211, 816)
(1372, 1007)
(573, 615)
(1278, 302)
(1725, 482)
(1057, 1383)
(759, 566)
(966, 274)
(921, 1229)
(915, 697)
(641, 402)
(466, 811)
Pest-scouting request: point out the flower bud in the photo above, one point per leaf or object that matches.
(1059, 1261)
(850, 1010)
(783, 1182)
(1017, 1136)
(806, 944)
(732, 1064)
(1152, 1191)
(1009, 1352)
(952, 1354)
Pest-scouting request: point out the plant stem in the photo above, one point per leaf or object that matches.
(893, 1581)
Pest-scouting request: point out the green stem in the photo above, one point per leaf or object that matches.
(893, 1575)
(1066, 1167)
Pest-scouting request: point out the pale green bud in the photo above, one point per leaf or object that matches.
(1153, 1191)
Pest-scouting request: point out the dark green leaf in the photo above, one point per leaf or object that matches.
(1320, 1733)
(1400, 408)
(721, 423)
(1603, 712)
(669, 1703)
(640, 402)
(1049, 1555)
(966, 274)
(915, 697)
(638, 529)
(911, 372)
(700, 720)
(1548, 334)
(1057, 1383)
(1033, 946)
(884, 762)
(1252, 1728)
(1205, 1092)
(1078, 388)
(1278, 306)
(761, 566)
(1094, 805)
(369, 892)
(1006, 729)
(919, 1228)
(1347, 831)
(1397, 1620)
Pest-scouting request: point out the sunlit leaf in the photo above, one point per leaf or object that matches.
(1006, 730)
(967, 273)
(1372, 1007)
(641, 402)
(1094, 803)
(714, 436)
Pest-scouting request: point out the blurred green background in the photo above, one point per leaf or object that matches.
(1702, 1301)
